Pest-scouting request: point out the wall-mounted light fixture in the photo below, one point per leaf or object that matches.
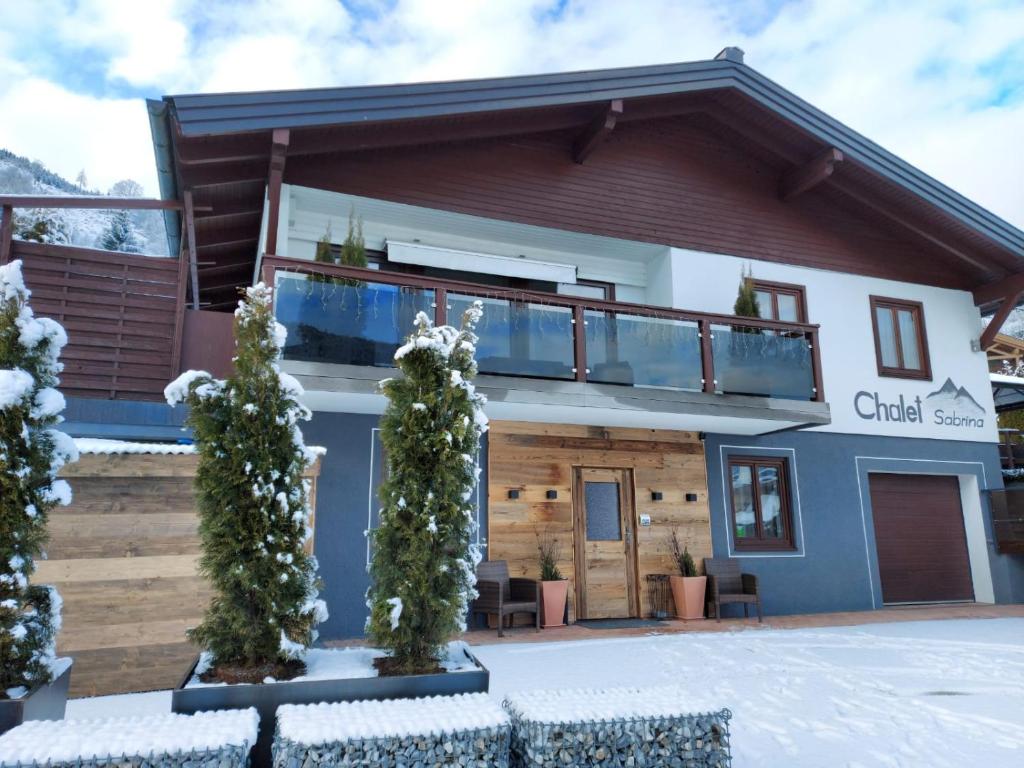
(513, 493)
(552, 494)
(691, 497)
(656, 496)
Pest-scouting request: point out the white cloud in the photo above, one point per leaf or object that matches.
(921, 77)
(67, 132)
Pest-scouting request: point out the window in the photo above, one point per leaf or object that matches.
(781, 301)
(901, 346)
(589, 289)
(761, 515)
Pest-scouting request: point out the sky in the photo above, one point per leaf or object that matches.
(938, 82)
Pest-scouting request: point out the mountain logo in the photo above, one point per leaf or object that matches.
(949, 397)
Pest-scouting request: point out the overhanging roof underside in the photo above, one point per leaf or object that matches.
(221, 145)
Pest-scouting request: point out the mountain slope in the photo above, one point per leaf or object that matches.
(21, 176)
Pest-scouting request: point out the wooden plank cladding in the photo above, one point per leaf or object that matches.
(674, 181)
(124, 556)
(121, 312)
(537, 458)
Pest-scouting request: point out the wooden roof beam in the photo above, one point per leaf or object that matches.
(801, 178)
(996, 323)
(998, 290)
(597, 131)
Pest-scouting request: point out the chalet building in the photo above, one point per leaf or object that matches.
(843, 446)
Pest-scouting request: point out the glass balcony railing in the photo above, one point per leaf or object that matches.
(762, 362)
(521, 338)
(358, 316)
(643, 351)
(354, 322)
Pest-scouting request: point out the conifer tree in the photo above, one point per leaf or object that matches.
(121, 235)
(746, 298)
(253, 504)
(423, 572)
(353, 250)
(32, 451)
(323, 255)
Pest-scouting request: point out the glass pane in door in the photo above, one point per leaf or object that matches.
(604, 518)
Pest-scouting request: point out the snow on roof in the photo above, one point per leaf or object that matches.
(325, 723)
(97, 445)
(594, 704)
(66, 741)
(1002, 378)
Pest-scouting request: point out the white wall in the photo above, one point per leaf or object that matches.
(839, 303)
(659, 275)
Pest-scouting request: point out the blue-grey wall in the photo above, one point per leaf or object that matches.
(835, 565)
(346, 505)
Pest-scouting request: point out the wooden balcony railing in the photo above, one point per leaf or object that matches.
(123, 312)
(1008, 520)
(335, 314)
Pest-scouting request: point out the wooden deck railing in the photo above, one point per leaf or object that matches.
(705, 322)
(123, 312)
(1008, 520)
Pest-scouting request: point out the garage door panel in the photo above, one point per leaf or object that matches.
(920, 539)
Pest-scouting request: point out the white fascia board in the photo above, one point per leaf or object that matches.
(469, 261)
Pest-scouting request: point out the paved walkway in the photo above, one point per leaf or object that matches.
(803, 621)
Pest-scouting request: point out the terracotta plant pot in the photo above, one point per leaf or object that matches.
(553, 595)
(688, 595)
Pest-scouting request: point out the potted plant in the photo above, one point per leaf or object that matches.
(254, 523)
(688, 587)
(33, 681)
(554, 588)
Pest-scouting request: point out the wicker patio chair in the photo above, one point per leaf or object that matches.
(727, 585)
(501, 596)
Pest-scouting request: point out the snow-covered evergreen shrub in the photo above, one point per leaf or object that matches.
(31, 454)
(423, 572)
(121, 234)
(253, 503)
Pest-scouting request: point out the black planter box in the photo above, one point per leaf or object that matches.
(46, 702)
(268, 697)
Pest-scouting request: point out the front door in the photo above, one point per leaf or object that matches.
(605, 544)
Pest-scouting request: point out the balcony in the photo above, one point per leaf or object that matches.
(358, 317)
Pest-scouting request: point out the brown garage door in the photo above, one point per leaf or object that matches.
(919, 534)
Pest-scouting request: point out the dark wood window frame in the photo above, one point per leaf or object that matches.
(916, 309)
(760, 542)
(789, 289)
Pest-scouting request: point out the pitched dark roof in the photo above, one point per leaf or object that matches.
(207, 115)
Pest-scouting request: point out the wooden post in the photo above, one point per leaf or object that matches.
(819, 386)
(579, 338)
(177, 344)
(278, 152)
(440, 306)
(6, 232)
(193, 260)
(707, 357)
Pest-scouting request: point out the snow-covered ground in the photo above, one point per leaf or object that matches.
(930, 693)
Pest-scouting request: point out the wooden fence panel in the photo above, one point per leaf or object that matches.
(122, 313)
(124, 557)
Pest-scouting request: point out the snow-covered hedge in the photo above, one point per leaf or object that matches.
(615, 726)
(465, 730)
(32, 452)
(204, 740)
